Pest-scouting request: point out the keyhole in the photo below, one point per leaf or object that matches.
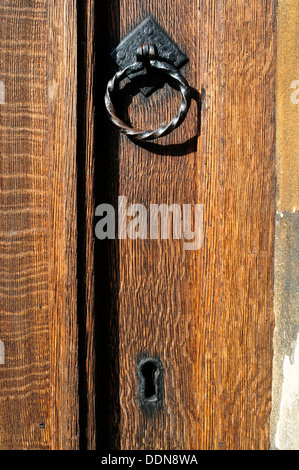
(150, 376)
(148, 371)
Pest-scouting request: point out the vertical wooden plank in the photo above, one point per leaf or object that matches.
(24, 262)
(86, 209)
(39, 396)
(237, 190)
(207, 315)
(154, 282)
(89, 225)
(62, 200)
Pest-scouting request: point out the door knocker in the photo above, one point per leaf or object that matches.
(148, 49)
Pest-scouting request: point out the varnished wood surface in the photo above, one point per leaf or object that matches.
(158, 278)
(237, 184)
(207, 315)
(86, 208)
(62, 200)
(153, 283)
(38, 318)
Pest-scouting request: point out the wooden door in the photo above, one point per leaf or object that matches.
(78, 314)
(205, 314)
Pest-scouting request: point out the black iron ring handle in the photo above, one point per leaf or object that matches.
(146, 57)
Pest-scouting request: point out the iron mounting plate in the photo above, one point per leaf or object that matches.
(148, 32)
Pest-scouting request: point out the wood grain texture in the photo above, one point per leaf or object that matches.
(24, 318)
(62, 200)
(238, 192)
(39, 402)
(207, 314)
(155, 282)
(86, 209)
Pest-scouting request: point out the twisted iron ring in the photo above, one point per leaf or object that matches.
(146, 56)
